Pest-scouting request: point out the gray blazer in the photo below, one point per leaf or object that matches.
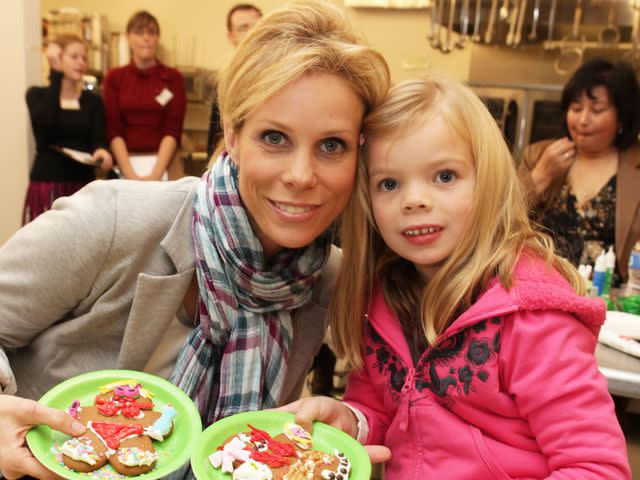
(94, 283)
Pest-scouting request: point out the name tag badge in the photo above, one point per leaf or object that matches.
(164, 97)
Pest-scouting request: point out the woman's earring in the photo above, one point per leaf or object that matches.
(620, 130)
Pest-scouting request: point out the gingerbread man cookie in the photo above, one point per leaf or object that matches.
(255, 455)
(120, 427)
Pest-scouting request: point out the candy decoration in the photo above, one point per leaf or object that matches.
(73, 408)
(232, 451)
(114, 433)
(135, 457)
(298, 435)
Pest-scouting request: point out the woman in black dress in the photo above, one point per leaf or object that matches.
(64, 116)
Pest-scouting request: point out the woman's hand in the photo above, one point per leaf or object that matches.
(54, 54)
(103, 159)
(335, 413)
(554, 162)
(17, 416)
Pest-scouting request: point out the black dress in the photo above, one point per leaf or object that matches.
(581, 233)
(54, 174)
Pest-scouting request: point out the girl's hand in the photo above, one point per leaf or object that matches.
(335, 413)
(554, 162)
(17, 416)
(103, 159)
(54, 54)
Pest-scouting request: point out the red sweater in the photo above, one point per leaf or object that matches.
(134, 113)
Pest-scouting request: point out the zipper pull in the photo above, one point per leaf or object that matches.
(405, 397)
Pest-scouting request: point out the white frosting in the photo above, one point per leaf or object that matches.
(79, 450)
(252, 470)
(232, 451)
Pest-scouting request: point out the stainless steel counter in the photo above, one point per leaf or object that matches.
(621, 370)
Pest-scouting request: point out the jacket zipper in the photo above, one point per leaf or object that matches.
(405, 399)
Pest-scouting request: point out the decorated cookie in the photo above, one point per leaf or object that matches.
(256, 455)
(120, 428)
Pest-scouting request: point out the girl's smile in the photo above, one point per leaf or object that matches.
(422, 235)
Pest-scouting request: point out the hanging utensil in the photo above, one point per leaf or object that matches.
(448, 46)
(433, 13)
(504, 10)
(476, 22)
(571, 56)
(610, 35)
(576, 36)
(513, 17)
(464, 24)
(522, 12)
(488, 36)
(437, 38)
(533, 35)
(552, 19)
(633, 55)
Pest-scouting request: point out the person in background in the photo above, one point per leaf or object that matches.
(584, 187)
(196, 279)
(475, 358)
(240, 19)
(63, 115)
(145, 103)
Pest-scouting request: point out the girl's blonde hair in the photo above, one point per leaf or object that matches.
(499, 229)
(301, 37)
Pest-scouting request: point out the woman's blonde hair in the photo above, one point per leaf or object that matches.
(498, 232)
(303, 36)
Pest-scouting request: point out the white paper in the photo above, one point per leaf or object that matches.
(77, 155)
(626, 345)
(624, 324)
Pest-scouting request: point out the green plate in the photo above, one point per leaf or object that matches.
(172, 452)
(325, 438)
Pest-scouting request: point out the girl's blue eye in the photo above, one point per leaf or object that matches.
(445, 176)
(332, 145)
(274, 138)
(388, 184)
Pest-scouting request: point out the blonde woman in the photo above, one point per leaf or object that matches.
(63, 115)
(475, 358)
(113, 276)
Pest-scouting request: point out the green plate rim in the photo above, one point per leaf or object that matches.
(203, 470)
(41, 433)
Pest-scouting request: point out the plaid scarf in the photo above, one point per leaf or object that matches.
(236, 360)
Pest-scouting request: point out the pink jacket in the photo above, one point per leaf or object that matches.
(512, 389)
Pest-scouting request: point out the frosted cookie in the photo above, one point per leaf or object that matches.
(120, 427)
(255, 455)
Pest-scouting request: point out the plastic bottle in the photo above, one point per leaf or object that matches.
(610, 265)
(599, 271)
(633, 282)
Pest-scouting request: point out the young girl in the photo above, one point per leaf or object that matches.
(475, 359)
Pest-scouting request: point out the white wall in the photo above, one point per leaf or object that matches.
(20, 37)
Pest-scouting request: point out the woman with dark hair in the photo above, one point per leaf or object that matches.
(145, 103)
(584, 186)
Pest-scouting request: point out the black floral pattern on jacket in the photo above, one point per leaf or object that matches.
(448, 370)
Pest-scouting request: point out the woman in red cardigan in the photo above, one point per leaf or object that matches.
(145, 105)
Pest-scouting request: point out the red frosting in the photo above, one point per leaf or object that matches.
(114, 433)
